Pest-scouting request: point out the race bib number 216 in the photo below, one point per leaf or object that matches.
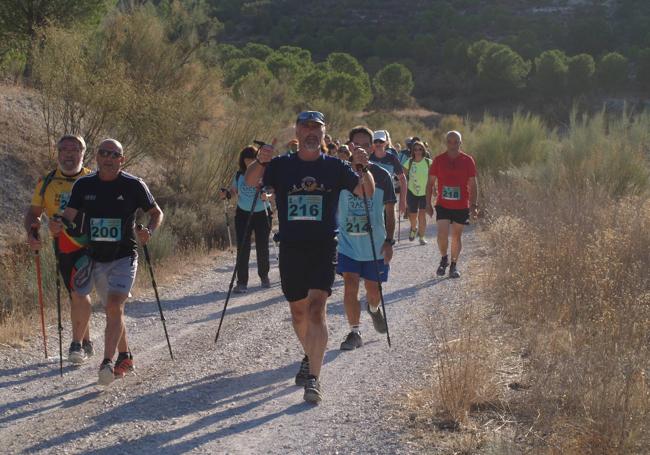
(305, 208)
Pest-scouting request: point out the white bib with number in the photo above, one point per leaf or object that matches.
(451, 193)
(305, 208)
(105, 229)
(356, 225)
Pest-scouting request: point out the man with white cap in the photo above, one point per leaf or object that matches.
(452, 179)
(108, 200)
(389, 161)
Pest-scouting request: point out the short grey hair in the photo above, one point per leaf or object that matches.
(71, 137)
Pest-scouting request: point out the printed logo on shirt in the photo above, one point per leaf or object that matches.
(308, 184)
(90, 197)
(120, 198)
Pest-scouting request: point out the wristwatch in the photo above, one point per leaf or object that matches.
(391, 242)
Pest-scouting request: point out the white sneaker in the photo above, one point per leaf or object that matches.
(76, 354)
(106, 374)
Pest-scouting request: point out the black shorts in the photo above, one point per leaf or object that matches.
(415, 203)
(69, 264)
(460, 216)
(305, 266)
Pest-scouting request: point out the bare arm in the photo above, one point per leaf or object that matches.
(431, 182)
(390, 220)
(155, 220)
(366, 185)
(403, 188)
(473, 191)
(33, 221)
(254, 173)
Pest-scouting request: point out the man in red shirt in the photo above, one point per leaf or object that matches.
(453, 175)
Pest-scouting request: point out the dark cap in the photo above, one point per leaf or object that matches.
(311, 116)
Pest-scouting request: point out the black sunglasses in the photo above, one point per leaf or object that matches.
(104, 153)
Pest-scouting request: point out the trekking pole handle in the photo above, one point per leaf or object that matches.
(227, 191)
(66, 222)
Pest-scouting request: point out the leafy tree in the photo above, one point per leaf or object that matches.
(478, 49)
(302, 55)
(22, 19)
(347, 90)
(551, 72)
(345, 63)
(311, 85)
(239, 67)
(286, 67)
(613, 71)
(580, 73)
(501, 71)
(256, 50)
(227, 52)
(591, 35)
(393, 85)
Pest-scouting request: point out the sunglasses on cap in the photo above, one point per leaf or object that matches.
(311, 116)
(105, 153)
(378, 141)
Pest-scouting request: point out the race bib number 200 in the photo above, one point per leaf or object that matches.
(105, 229)
(451, 193)
(305, 208)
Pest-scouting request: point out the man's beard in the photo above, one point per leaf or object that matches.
(311, 143)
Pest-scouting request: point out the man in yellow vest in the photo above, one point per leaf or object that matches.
(51, 198)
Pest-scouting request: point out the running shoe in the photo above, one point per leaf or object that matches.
(303, 373)
(88, 348)
(412, 235)
(123, 365)
(106, 374)
(453, 272)
(423, 241)
(442, 268)
(313, 393)
(352, 341)
(266, 283)
(76, 353)
(378, 320)
(240, 289)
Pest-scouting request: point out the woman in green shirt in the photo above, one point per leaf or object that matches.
(417, 171)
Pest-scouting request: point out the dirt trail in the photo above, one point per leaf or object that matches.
(238, 397)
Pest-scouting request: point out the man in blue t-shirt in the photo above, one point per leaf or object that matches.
(356, 259)
(307, 185)
(389, 161)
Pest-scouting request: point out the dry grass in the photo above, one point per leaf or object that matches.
(577, 285)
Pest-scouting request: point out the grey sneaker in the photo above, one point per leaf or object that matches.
(266, 283)
(303, 372)
(378, 320)
(88, 348)
(352, 341)
(76, 354)
(240, 289)
(106, 374)
(313, 393)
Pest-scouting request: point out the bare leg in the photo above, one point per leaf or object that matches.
(456, 240)
(316, 339)
(115, 329)
(422, 222)
(372, 293)
(413, 221)
(80, 311)
(443, 236)
(351, 298)
(299, 319)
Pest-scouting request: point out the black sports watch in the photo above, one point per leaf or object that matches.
(391, 242)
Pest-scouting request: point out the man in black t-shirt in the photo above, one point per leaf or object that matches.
(108, 200)
(307, 185)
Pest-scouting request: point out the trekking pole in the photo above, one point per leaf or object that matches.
(374, 257)
(39, 284)
(240, 246)
(225, 211)
(155, 290)
(267, 205)
(58, 306)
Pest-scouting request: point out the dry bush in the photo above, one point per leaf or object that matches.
(465, 369)
(572, 273)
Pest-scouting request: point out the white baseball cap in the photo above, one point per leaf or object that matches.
(380, 135)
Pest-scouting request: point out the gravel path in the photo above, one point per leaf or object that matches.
(237, 397)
